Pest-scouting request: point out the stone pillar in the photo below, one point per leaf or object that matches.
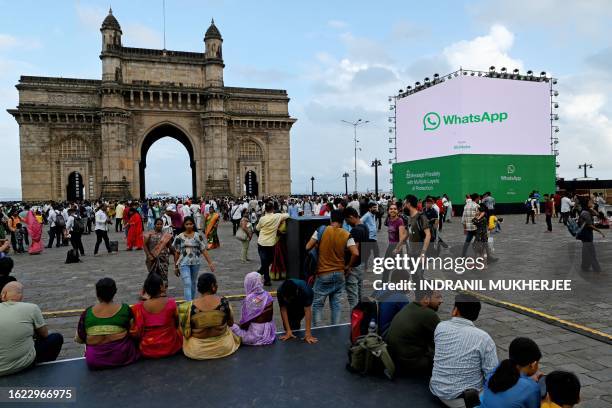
(117, 166)
(214, 123)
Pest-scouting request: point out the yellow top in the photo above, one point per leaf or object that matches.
(268, 226)
(549, 404)
(492, 221)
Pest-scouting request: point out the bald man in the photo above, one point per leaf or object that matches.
(21, 322)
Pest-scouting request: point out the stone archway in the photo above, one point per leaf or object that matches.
(166, 130)
(75, 187)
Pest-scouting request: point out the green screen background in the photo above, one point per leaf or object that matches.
(462, 174)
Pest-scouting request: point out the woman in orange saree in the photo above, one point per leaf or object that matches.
(211, 223)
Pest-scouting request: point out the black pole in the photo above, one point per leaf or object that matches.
(375, 164)
(312, 186)
(346, 176)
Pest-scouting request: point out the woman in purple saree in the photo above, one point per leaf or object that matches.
(104, 328)
(256, 326)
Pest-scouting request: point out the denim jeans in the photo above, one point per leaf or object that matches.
(469, 236)
(189, 276)
(332, 285)
(353, 286)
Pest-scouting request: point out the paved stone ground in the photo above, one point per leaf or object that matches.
(525, 252)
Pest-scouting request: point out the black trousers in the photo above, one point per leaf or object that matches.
(55, 233)
(118, 224)
(101, 235)
(530, 214)
(589, 257)
(564, 217)
(76, 242)
(48, 349)
(549, 222)
(235, 225)
(266, 256)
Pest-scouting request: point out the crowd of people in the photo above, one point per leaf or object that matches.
(458, 357)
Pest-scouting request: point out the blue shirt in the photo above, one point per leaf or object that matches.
(370, 221)
(524, 394)
(390, 302)
(293, 211)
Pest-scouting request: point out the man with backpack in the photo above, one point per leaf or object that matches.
(360, 234)
(75, 227)
(332, 242)
(585, 234)
(419, 232)
(56, 227)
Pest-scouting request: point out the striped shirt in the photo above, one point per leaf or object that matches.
(469, 212)
(464, 356)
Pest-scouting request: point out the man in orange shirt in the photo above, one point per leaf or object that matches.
(331, 269)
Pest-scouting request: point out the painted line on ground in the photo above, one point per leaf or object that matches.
(545, 317)
(76, 312)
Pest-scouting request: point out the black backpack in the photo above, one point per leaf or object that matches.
(60, 221)
(79, 225)
(72, 256)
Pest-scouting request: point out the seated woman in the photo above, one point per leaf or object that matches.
(514, 383)
(205, 323)
(104, 329)
(256, 326)
(156, 321)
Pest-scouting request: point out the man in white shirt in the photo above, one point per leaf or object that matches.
(566, 208)
(55, 233)
(119, 217)
(186, 210)
(355, 203)
(236, 215)
(101, 229)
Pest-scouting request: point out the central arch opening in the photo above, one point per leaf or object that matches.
(162, 132)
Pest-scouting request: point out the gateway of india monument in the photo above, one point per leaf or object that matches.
(88, 138)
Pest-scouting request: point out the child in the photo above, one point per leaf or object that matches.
(494, 227)
(562, 390)
(19, 238)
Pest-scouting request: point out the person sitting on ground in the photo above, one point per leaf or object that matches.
(6, 266)
(515, 381)
(256, 326)
(25, 338)
(205, 323)
(104, 329)
(295, 302)
(390, 302)
(156, 321)
(562, 390)
(465, 355)
(411, 335)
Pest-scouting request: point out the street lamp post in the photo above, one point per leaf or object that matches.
(585, 166)
(346, 176)
(375, 164)
(358, 122)
(312, 185)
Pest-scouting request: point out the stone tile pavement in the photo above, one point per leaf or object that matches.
(525, 251)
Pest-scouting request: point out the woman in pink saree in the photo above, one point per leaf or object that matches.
(35, 232)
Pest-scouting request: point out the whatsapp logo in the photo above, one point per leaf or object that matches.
(431, 121)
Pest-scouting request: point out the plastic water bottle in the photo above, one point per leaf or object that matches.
(372, 327)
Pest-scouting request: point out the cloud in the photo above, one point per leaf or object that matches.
(90, 16)
(10, 42)
(601, 60)
(484, 51)
(141, 36)
(338, 24)
(407, 30)
(254, 75)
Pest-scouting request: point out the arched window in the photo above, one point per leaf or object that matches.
(74, 148)
(249, 150)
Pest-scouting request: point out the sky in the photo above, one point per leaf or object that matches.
(337, 60)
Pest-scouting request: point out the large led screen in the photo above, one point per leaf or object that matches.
(474, 115)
